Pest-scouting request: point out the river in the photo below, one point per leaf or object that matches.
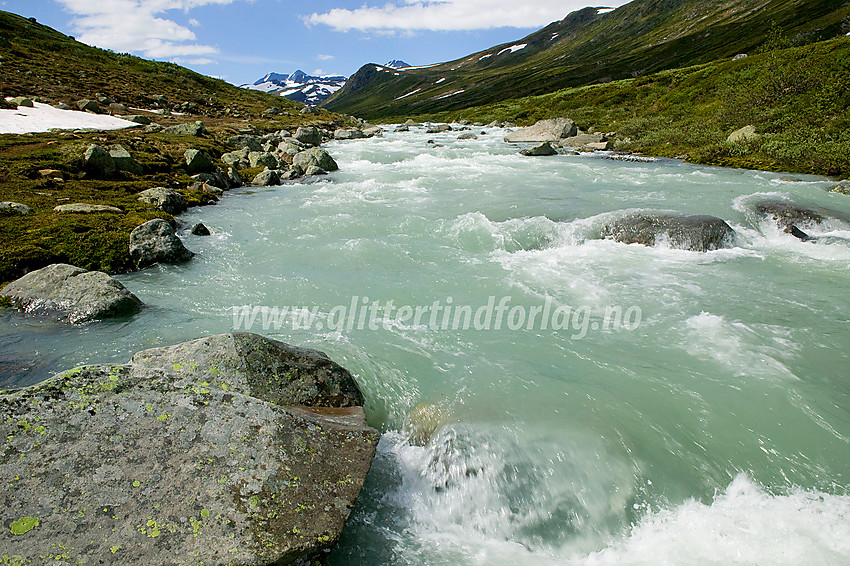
(621, 404)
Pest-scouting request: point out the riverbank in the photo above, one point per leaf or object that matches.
(795, 98)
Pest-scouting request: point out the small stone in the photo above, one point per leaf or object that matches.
(167, 200)
(83, 208)
(14, 208)
(87, 105)
(22, 101)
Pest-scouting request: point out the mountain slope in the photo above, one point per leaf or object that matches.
(590, 46)
(40, 61)
(299, 86)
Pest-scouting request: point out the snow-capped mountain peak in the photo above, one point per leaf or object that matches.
(300, 86)
(397, 64)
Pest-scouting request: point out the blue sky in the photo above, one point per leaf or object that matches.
(242, 40)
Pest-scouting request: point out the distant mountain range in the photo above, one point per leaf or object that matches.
(309, 89)
(593, 45)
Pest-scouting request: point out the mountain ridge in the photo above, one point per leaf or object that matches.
(592, 45)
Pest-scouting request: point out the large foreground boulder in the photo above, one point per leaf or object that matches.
(545, 131)
(156, 241)
(695, 233)
(71, 294)
(795, 219)
(184, 455)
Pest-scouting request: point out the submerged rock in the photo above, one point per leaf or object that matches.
(187, 453)
(156, 242)
(71, 294)
(545, 131)
(200, 229)
(695, 233)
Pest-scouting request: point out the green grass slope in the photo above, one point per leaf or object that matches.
(38, 61)
(797, 98)
(637, 39)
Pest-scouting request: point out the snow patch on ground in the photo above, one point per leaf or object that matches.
(408, 94)
(513, 48)
(486, 56)
(43, 118)
(451, 94)
(439, 81)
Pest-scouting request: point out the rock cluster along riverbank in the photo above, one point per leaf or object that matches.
(232, 449)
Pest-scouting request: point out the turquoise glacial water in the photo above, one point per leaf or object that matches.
(711, 426)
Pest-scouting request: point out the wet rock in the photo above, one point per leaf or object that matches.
(544, 149)
(187, 451)
(123, 160)
(467, 136)
(198, 161)
(402, 128)
(156, 242)
(695, 233)
(71, 294)
(14, 208)
(167, 200)
(343, 134)
(200, 229)
(545, 131)
(786, 214)
(315, 156)
(438, 129)
(313, 171)
(97, 161)
(842, 188)
(234, 178)
(371, 131)
(267, 178)
(83, 208)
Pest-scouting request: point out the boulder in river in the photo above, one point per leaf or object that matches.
(542, 150)
(695, 233)
(232, 449)
(791, 217)
(351, 134)
(71, 294)
(156, 242)
(315, 156)
(545, 131)
(267, 178)
(200, 229)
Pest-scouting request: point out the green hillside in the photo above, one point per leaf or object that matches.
(797, 98)
(46, 169)
(587, 47)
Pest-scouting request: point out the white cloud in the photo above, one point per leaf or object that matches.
(138, 26)
(318, 72)
(450, 15)
(325, 57)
